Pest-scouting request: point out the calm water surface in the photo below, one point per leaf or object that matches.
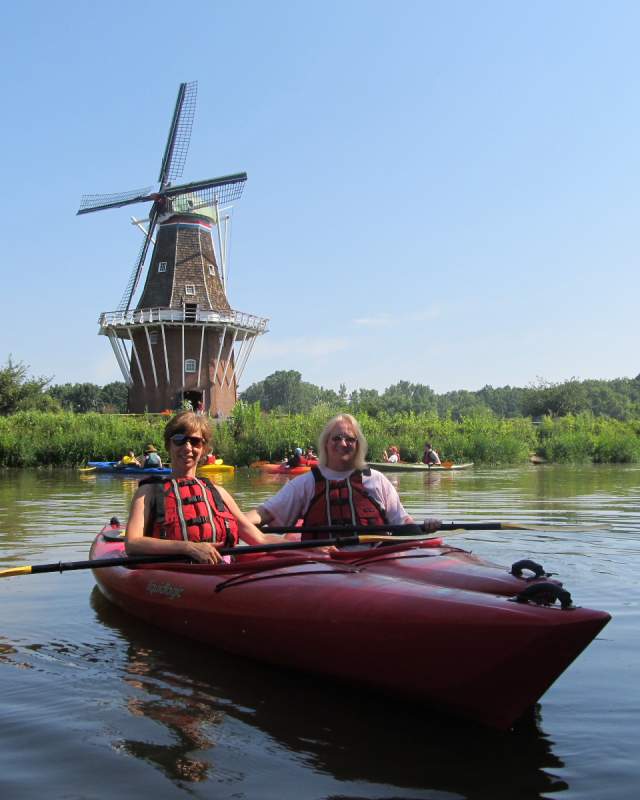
(94, 705)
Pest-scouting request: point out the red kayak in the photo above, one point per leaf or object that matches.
(473, 653)
(284, 468)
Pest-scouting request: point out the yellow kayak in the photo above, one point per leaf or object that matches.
(215, 469)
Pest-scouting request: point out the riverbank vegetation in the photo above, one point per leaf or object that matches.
(577, 421)
(36, 438)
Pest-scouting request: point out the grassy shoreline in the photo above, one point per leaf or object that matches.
(30, 438)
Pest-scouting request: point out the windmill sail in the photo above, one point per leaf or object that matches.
(177, 147)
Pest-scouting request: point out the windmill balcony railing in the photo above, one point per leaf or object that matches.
(155, 316)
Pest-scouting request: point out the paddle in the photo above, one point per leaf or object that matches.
(130, 561)
(416, 529)
(86, 469)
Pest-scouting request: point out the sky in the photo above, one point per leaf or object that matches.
(440, 192)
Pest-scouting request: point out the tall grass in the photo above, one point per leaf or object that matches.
(33, 438)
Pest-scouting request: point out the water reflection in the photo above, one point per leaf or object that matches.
(350, 735)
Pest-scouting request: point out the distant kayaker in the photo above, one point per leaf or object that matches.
(296, 459)
(183, 514)
(340, 490)
(430, 456)
(151, 457)
(310, 455)
(129, 460)
(393, 456)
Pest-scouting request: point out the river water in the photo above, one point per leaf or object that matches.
(94, 705)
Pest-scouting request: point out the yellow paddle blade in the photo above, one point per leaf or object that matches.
(8, 573)
(391, 538)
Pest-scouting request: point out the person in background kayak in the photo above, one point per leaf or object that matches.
(296, 459)
(182, 514)
(340, 490)
(129, 460)
(151, 457)
(430, 456)
(393, 456)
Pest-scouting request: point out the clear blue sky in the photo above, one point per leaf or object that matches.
(445, 193)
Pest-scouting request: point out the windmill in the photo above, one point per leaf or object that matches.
(182, 341)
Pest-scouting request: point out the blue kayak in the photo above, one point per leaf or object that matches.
(112, 466)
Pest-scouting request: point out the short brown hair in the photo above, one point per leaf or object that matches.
(188, 422)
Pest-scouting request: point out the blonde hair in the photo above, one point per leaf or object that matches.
(361, 447)
(188, 422)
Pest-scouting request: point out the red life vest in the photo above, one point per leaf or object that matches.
(344, 502)
(190, 509)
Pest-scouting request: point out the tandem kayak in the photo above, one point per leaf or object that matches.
(112, 467)
(467, 649)
(403, 466)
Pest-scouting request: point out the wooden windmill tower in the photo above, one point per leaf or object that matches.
(182, 341)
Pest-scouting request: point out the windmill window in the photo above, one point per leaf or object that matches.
(189, 289)
(162, 266)
(190, 365)
(212, 270)
(153, 337)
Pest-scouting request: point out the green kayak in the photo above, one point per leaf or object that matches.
(402, 466)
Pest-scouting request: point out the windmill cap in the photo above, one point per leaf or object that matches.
(150, 449)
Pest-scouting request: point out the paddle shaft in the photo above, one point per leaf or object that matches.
(408, 529)
(132, 561)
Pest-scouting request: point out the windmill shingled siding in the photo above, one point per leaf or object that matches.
(188, 251)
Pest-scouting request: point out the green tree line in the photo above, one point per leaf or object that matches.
(285, 392)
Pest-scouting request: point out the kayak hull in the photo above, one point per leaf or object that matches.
(401, 466)
(284, 469)
(216, 469)
(110, 467)
(472, 653)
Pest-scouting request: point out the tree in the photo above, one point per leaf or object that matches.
(285, 391)
(18, 391)
(460, 404)
(367, 401)
(78, 397)
(114, 397)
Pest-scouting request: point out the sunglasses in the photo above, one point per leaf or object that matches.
(181, 439)
(342, 437)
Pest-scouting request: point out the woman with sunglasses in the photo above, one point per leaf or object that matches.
(340, 490)
(183, 514)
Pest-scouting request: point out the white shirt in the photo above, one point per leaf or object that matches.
(292, 501)
(393, 458)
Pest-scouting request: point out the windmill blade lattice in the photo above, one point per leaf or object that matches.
(98, 202)
(191, 196)
(136, 272)
(177, 147)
